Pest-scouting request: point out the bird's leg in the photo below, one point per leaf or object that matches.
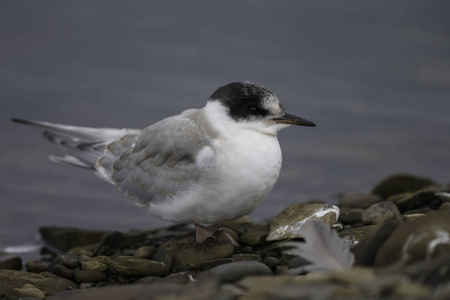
(203, 232)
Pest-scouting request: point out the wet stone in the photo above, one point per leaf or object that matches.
(65, 239)
(271, 262)
(37, 266)
(237, 270)
(419, 239)
(288, 223)
(255, 235)
(416, 200)
(351, 216)
(64, 272)
(358, 200)
(445, 206)
(147, 280)
(164, 257)
(401, 183)
(14, 263)
(353, 236)
(71, 261)
(214, 263)
(48, 283)
(297, 262)
(30, 291)
(137, 267)
(145, 252)
(380, 213)
(89, 276)
(245, 257)
(238, 225)
(187, 253)
(99, 264)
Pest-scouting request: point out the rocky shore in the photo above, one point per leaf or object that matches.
(399, 235)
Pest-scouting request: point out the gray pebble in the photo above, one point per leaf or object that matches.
(89, 276)
(380, 213)
(145, 252)
(64, 272)
(271, 262)
(235, 271)
(71, 261)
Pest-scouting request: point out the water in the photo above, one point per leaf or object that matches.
(374, 77)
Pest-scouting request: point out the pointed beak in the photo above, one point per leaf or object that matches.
(293, 120)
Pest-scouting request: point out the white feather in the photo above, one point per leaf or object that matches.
(323, 248)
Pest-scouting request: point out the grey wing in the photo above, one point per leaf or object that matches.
(163, 162)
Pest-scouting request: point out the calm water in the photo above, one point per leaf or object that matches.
(374, 77)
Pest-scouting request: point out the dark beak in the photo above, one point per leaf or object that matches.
(294, 120)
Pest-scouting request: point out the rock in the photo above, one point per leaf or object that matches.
(137, 267)
(380, 213)
(98, 263)
(164, 257)
(288, 223)
(89, 276)
(37, 266)
(246, 257)
(29, 290)
(351, 216)
(145, 252)
(71, 261)
(238, 225)
(65, 239)
(422, 238)
(445, 206)
(110, 243)
(148, 280)
(187, 251)
(271, 262)
(14, 263)
(214, 263)
(64, 272)
(358, 200)
(400, 183)
(297, 262)
(255, 235)
(366, 250)
(353, 236)
(10, 280)
(235, 271)
(409, 201)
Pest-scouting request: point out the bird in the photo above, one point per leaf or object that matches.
(203, 166)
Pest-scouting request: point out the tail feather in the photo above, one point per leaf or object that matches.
(83, 145)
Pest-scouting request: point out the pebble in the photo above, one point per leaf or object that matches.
(12, 281)
(409, 201)
(235, 271)
(64, 272)
(380, 213)
(145, 252)
(29, 290)
(37, 266)
(137, 267)
(400, 183)
(353, 236)
(288, 223)
(14, 263)
(418, 239)
(214, 263)
(246, 257)
(271, 261)
(187, 253)
(65, 239)
(255, 235)
(89, 276)
(351, 216)
(70, 260)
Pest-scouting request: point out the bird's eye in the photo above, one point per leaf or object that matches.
(254, 110)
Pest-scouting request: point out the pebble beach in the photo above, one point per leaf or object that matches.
(398, 234)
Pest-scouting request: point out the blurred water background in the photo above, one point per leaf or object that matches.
(373, 75)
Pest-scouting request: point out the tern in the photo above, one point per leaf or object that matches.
(204, 166)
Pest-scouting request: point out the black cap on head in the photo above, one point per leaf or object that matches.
(244, 100)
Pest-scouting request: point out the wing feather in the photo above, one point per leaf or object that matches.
(163, 161)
